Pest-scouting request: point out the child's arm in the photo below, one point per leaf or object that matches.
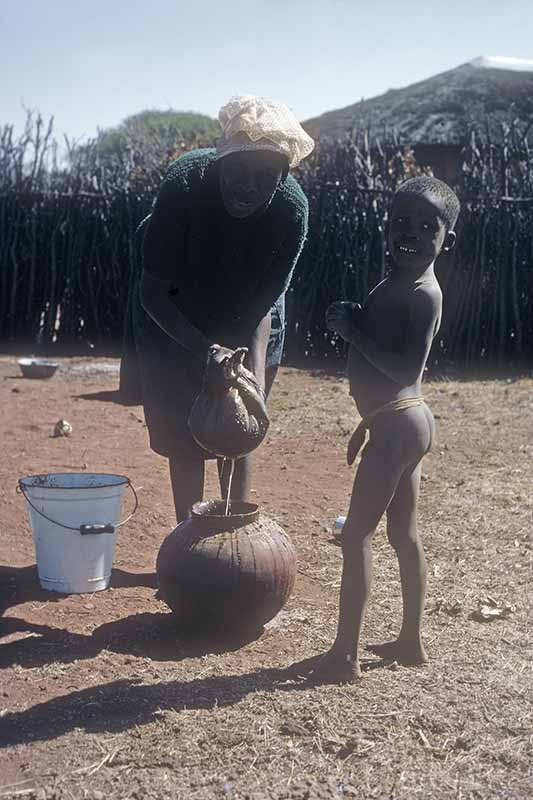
(406, 366)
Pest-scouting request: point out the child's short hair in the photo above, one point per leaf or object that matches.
(427, 184)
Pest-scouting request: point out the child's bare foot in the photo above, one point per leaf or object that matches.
(407, 653)
(335, 667)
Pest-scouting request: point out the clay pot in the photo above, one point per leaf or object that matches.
(233, 572)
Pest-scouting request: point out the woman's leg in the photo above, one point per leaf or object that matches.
(241, 481)
(187, 473)
(242, 474)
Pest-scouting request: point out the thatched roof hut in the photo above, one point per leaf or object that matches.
(488, 94)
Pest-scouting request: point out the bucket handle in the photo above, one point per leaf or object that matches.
(97, 527)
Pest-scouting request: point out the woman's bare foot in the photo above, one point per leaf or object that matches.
(407, 653)
(301, 669)
(335, 667)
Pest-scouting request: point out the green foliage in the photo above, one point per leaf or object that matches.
(164, 130)
(144, 143)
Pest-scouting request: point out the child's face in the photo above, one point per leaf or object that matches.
(416, 231)
(248, 181)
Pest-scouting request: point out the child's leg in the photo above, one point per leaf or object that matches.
(187, 473)
(380, 470)
(403, 536)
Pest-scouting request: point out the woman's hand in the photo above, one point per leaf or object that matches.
(342, 318)
(224, 365)
(218, 354)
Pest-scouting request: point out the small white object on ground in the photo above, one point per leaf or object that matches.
(62, 428)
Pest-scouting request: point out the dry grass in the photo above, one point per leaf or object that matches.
(144, 715)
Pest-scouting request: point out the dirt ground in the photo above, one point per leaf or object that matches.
(101, 697)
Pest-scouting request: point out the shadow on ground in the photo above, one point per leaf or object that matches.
(20, 585)
(116, 706)
(145, 634)
(121, 704)
(110, 396)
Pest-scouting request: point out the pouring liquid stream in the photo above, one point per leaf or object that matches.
(230, 481)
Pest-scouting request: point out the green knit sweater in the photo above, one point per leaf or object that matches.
(226, 273)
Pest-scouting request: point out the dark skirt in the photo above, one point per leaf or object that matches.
(157, 372)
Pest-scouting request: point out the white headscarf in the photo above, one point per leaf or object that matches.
(254, 123)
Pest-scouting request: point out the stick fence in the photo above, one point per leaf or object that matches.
(67, 245)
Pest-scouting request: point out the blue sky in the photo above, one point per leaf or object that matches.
(92, 64)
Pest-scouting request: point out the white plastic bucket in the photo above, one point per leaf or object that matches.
(72, 556)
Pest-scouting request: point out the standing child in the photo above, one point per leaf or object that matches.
(390, 338)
